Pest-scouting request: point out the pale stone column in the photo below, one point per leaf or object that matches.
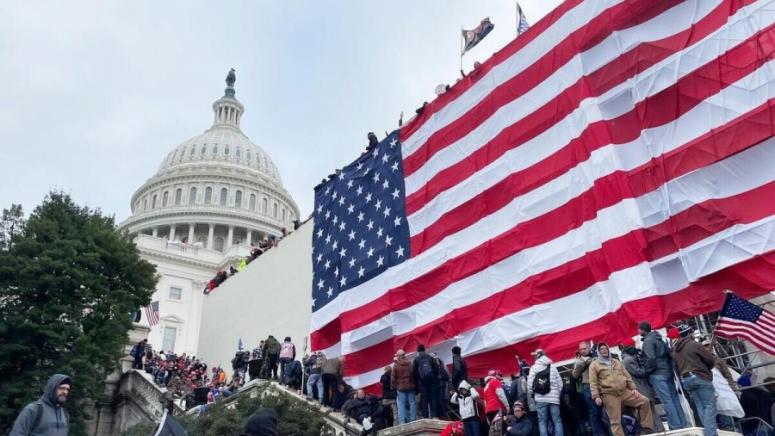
(249, 237)
(191, 233)
(210, 236)
(155, 232)
(230, 238)
(172, 232)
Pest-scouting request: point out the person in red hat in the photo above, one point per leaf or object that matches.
(495, 401)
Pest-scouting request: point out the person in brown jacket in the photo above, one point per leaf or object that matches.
(612, 387)
(402, 379)
(694, 364)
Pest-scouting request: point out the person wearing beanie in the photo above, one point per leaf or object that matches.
(465, 397)
(459, 368)
(581, 371)
(261, 423)
(612, 387)
(694, 365)
(632, 360)
(656, 356)
(46, 416)
(519, 423)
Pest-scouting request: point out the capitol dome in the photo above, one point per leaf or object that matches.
(216, 190)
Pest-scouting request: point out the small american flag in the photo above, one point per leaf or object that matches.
(744, 320)
(152, 313)
(522, 25)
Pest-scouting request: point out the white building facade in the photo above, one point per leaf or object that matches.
(213, 197)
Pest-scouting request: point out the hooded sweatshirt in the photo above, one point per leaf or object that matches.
(608, 376)
(555, 381)
(466, 403)
(53, 419)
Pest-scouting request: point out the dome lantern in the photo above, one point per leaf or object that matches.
(228, 110)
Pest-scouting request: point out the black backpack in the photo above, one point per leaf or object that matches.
(541, 383)
(425, 368)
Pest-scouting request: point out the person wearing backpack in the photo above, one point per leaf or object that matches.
(273, 354)
(659, 370)
(544, 385)
(612, 387)
(426, 375)
(46, 416)
(287, 355)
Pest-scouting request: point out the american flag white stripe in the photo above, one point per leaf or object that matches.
(375, 317)
(751, 331)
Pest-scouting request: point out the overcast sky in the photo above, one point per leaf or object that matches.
(95, 94)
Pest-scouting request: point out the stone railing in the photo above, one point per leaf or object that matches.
(139, 399)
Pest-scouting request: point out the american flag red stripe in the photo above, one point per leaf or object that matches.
(745, 320)
(559, 194)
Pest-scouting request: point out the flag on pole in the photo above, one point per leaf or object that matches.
(741, 319)
(169, 426)
(472, 37)
(152, 313)
(571, 188)
(522, 25)
(239, 344)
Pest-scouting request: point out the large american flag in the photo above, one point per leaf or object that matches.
(613, 164)
(744, 320)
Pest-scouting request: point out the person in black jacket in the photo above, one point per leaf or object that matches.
(389, 397)
(442, 388)
(426, 375)
(363, 407)
(459, 368)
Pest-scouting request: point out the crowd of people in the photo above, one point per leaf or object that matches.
(600, 394)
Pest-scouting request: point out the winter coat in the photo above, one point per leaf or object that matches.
(518, 390)
(53, 420)
(494, 396)
(581, 368)
(466, 404)
(418, 360)
(459, 370)
(656, 354)
(333, 366)
(288, 350)
(388, 392)
(613, 380)
(519, 426)
(555, 382)
(272, 346)
(635, 367)
(690, 356)
(402, 377)
(311, 363)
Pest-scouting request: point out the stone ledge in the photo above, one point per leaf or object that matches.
(421, 427)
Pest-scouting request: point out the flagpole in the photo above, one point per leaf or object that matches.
(462, 47)
(713, 334)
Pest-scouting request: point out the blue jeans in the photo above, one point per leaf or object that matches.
(471, 428)
(668, 396)
(315, 379)
(594, 412)
(544, 410)
(403, 399)
(704, 397)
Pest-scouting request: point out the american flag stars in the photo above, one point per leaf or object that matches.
(360, 226)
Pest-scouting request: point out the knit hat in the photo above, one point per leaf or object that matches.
(538, 353)
(672, 333)
(628, 342)
(684, 330)
(645, 326)
(456, 350)
(261, 423)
